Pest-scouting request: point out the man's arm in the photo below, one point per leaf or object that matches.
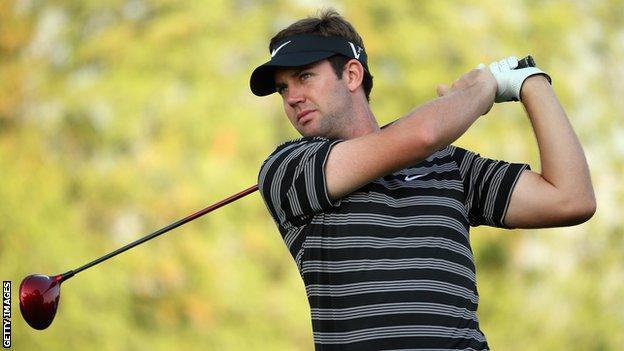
(562, 194)
(428, 128)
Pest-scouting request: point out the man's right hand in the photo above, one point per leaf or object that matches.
(476, 76)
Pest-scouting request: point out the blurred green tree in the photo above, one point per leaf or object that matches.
(119, 116)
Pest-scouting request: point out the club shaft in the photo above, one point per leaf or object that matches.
(165, 229)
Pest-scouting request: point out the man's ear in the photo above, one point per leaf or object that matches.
(354, 72)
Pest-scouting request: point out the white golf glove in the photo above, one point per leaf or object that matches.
(509, 79)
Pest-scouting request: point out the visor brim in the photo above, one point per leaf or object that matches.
(262, 80)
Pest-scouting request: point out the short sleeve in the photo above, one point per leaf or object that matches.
(488, 185)
(292, 180)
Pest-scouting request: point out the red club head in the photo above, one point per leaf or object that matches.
(39, 297)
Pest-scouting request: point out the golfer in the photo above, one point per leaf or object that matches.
(377, 219)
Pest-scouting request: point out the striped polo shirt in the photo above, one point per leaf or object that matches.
(389, 266)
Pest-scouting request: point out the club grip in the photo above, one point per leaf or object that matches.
(526, 62)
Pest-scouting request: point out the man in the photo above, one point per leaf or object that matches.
(377, 219)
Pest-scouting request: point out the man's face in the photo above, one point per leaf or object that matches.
(316, 102)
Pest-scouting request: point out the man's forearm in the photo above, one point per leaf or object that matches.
(411, 139)
(563, 162)
(444, 120)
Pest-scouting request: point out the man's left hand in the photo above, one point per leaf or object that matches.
(510, 80)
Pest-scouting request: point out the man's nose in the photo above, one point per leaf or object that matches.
(294, 95)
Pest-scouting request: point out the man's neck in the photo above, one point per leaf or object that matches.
(364, 122)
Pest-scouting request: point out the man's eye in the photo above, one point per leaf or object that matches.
(304, 76)
(280, 90)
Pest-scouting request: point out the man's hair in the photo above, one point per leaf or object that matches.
(329, 24)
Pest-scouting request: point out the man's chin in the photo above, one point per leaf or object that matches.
(312, 129)
(309, 130)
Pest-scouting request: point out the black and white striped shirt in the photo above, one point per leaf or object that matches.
(388, 267)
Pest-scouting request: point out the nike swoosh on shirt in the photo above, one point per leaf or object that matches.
(279, 47)
(408, 178)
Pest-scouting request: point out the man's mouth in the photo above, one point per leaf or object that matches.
(301, 115)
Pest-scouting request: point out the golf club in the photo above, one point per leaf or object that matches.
(39, 294)
(528, 61)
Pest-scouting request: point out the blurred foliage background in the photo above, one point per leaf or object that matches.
(118, 117)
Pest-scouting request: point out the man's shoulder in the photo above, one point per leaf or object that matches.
(293, 151)
(441, 154)
(457, 152)
(300, 142)
(294, 145)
